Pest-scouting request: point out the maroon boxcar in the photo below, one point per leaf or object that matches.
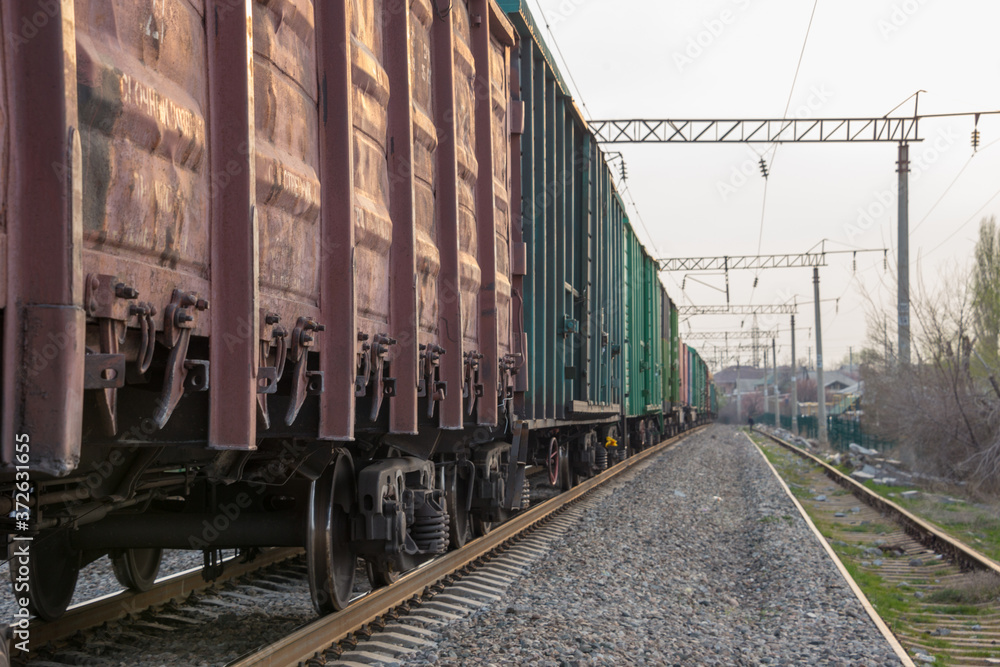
(254, 254)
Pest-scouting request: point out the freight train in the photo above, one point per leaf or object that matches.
(324, 274)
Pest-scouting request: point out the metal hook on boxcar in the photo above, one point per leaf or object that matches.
(304, 382)
(269, 376)
(148, 327)
(442, 13)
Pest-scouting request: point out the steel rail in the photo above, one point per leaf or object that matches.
(114, 606)
(310, 640)
(930, 536)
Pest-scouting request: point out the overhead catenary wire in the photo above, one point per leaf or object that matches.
(943, 194)
(963, 225)
(642, 222)
(784, 116)
(952, 184)
(555, 43)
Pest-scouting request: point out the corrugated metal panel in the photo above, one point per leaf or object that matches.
(675, 369)
(643, 353)
(572, 223)
(287, 157)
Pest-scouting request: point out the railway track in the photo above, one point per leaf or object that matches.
(116, 621)
(440, 589)
(108, 608)
(939, 596)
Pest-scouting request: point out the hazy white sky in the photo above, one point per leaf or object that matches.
(737, 59)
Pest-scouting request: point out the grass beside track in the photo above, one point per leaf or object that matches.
(933, 608)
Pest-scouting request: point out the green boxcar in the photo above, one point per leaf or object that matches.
(671, 365)
(573, 224)
(596, 365)
(644, 342)
(643, 353)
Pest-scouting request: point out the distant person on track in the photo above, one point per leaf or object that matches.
(750, 422)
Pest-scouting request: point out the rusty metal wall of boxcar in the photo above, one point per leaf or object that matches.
(470, 273)
(143, 105)
(425, 141)
(287, 158)
(282, 160)
(499, 102)
(373, 226)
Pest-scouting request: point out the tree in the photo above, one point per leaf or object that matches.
(807, 390)
(945, 419)
(986, 292)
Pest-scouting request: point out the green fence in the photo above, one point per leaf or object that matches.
(808, 426)
(842, 432)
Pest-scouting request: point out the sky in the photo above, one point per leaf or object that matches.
(738, 59)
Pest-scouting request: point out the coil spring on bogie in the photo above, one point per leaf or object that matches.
(430, 527)
(601, 457)
(526, 495)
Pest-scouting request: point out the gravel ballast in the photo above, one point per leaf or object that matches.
(698, 559)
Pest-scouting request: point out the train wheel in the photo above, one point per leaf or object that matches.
(379, 575)
(329, 554)
(136, 569)
(480, 526)
(52, 568)
(458, 485)
(554, 461)
(565, 474)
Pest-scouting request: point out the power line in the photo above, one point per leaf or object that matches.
(802, 53)
(948, 189)
(962, 226)
(774, 155)
(642, 222)
(555, 43)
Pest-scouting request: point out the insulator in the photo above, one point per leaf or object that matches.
(684, 283)
(975, 140)
(885, 260)
(624, 171)
(756, 279)
(763, 168)
(854, 263)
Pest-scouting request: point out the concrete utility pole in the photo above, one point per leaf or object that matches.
(820, 390)
(903, 279)
(739, 398)
(765, 379)
(795, 385)
(777, 393)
